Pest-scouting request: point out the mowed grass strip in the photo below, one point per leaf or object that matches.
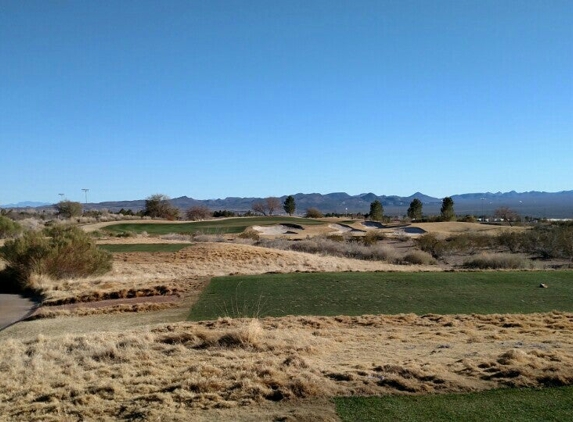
(229, 225)
(350, 294)
(519, 405)
(144, 247)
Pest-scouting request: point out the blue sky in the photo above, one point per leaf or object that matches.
(211, 99)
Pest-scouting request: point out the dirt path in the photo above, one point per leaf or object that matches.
(13, 308)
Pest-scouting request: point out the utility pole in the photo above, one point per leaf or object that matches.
(86, 192)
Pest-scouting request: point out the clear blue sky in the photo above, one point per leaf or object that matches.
(211, 99)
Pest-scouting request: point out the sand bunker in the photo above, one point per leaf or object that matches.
(409, 231)
(343, 228)
(273, 230)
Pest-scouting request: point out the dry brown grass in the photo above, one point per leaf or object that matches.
(143, 274)
(455, 227)
(172, 372)
(127, 366)
(63, 311)
(216, 259)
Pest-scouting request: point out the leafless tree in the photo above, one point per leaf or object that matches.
(506, 214)
(198, 212)
(313, 213)
(259, 207)
(273, 204)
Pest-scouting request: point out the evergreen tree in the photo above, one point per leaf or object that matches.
(289, 205)
(415, 209)
(376, 211)
(447, 210)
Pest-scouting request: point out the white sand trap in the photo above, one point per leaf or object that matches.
(340, 228)
(272, 230)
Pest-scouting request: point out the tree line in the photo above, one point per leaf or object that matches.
(160, 206)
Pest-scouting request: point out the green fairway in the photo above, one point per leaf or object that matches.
(520, 405)
(385, 293)
(229, 225)
(145, 247)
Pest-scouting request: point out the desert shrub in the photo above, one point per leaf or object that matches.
(59, 252)
(250, 234)
(313, 213)
(469, 242)
(276, 243)
(511, 240)
(8, 227)
(374, 252)
(98, 234)
(468, 218)
(372, 237)
(549, 241)
(323, 245)
(419, 258)
(498, 262)
(31, 224)
(225, 213)
(430, 243)
(336, 237)
(69, 209)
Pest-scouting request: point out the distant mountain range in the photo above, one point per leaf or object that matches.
(26, 204)
(533, 204)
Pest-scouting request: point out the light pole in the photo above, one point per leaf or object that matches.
(86, 192)
(61, 196)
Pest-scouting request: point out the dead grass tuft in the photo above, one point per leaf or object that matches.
(174, 371)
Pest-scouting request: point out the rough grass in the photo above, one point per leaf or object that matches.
(229, 225)
(498, 261)
(385, 293)
(338, 245)
(159, 273)
(419, 258)
(144, 247)
(523, 405)
(175, 371)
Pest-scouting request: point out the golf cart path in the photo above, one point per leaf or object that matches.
(14, 308)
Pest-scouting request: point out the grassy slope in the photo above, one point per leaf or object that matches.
(385, 293)
(229, 225)
(144, 247)
(522, 405)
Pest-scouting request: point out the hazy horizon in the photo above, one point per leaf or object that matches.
(286, 194)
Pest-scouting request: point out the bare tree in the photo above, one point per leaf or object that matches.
(506, 214)
(259, 207)
(313, 213)
(198, 212)
(273, 204)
